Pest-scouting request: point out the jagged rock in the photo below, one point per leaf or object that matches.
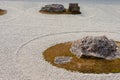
(73, 7)
(100, 47)
(53, 8)
(62, 60)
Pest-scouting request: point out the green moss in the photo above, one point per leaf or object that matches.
(66, 12)
(84, 64)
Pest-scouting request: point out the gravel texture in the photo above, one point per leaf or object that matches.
(23, 26)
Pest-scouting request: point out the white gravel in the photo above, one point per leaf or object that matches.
(22, 39)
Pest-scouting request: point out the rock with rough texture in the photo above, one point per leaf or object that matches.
(53, 8)
(73, 7)
(100, 47)
(62, 60)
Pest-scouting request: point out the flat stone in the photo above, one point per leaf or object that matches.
(62, 60)
(100, 47)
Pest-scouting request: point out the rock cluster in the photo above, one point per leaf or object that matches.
(100, 47)
(53, 8)
(59, 8)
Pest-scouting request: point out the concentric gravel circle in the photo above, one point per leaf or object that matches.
(12, 13)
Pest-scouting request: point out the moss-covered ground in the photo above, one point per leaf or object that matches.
(83, 64)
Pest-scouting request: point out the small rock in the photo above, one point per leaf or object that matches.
(62, 60)
(100, 47)
(73, 7)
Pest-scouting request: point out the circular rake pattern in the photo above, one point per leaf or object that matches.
(12, 13)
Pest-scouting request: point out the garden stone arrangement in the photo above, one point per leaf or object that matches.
(90, 54)
(59, 9)
(31, 41)
(100, 47)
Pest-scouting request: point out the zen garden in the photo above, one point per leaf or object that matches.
(59, 40)
(91, 54)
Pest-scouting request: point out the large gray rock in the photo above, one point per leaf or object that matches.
(100, 47)
(53, 8)
(62, 60)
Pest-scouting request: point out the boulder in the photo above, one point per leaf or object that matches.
(74, 8)
(100, 47)
(62, 60)
(53, 8)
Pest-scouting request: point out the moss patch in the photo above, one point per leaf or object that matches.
(2, 12)
(84, 64)
(66, 12)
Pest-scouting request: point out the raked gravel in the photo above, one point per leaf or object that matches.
(21, 44)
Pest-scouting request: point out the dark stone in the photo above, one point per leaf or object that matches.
(74, 8)
(53, 8)
(100, 47)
